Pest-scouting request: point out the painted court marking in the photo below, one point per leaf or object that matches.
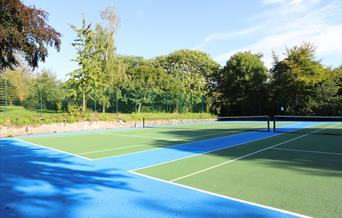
(188, 187)
(247, 155)
(112, 149)
(210, 134)
(200, 153)
(54, 149)
(140, 136)
(307, 151)
(206, 152)
(221, 196)
(131, 146)
(182, 144)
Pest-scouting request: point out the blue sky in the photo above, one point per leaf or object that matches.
(150, 28)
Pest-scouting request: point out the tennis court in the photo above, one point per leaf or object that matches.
(298, 171)
(102, 144)
(294, 171)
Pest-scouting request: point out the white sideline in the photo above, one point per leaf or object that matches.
(54, 149)
(112, 149)
(217, 133)
(140, 136)
(221, 196)
(306, 151)
(176, 145)
(247, 155)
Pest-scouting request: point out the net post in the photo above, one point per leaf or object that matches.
(274, 123)
(268, 124)
(143, 122)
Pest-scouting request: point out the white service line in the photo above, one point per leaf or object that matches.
(221, 196)
(207, 152)
(143, 151)
(247, 155)
(210, 134)
(141, 136)
(54, 149)
(306, 151)
(112, 149)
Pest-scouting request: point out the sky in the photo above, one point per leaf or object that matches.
(151, 28)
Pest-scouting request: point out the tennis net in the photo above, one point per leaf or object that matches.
(234, 123)
(328, 125)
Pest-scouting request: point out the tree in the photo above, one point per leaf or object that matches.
(112, 69)
(295, 79)
(193, 71)
(20, 79)
(327, 94)
(86, 77)
(48, 89)
(24, 29)
(146, 83)
(243, 84)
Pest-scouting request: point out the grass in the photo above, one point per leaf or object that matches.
(20, 116)
(102, 144)
(286, 172)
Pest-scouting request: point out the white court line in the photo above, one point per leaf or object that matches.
(54, 149)
(207, 152)
(140, 136)
(247, 155)
(222, 196)
(210, 134)
(197, 154)
(163, 147)
(306, 151)
(112, 149)
(171, 139)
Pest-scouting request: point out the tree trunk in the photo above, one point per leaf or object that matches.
(103, 108)
(83, 102)
(139, 107)
(116, 101)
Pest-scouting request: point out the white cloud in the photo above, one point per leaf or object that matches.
(290, 3)
(318, 26)
(226, 35)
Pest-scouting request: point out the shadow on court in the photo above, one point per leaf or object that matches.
(318, 140)
(34, 181)
(37, 182)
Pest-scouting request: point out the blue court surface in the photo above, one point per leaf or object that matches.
(36, 181)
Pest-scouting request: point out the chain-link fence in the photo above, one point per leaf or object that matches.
(38, 101)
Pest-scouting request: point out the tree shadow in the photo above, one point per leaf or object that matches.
(311, 131)
(209, 207)
(35, 181)
(327, 140)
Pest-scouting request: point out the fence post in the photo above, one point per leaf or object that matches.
(5, 92)
(116, 101)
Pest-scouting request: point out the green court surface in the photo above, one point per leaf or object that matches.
(299, 171)
(102, 144)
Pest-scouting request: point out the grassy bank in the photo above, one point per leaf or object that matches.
(19, 116)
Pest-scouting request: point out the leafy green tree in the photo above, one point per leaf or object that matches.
(193, 71)
(20, 79)
(24, 29)
(327, 95)
(113, 74)
(84, 79)
(295, 79)
(243, 84)
(146, 82)
(49, 89)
